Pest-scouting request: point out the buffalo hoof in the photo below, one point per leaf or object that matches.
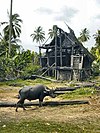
(16, 110)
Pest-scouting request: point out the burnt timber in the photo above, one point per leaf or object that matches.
(50, 103)
(65, 58)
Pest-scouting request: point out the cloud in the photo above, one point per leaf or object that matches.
(98, 2)
(65, 14)
(43, 10)
(98, 16)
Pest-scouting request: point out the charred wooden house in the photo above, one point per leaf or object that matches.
(65, 57)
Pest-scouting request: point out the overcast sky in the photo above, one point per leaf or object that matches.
(78, 14)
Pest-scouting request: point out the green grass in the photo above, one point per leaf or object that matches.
(79, 93)
(20, 82)
(40, 126)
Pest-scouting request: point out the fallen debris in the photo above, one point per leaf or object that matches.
(51, 103)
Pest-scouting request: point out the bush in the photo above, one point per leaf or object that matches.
(96, 69)
(29, 70)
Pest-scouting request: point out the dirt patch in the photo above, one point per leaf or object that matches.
(59, 113)
(64, 113)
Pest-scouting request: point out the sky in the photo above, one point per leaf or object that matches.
(78, 14)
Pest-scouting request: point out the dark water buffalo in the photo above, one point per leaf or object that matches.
(33, 93)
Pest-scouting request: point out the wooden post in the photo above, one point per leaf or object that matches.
(60, 49)
(72, 61)
(48, 61)
(40, 56)
(55, 28)
(47, 58)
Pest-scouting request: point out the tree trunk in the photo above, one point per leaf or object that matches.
(10, 27)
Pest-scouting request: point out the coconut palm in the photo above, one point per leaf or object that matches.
(15, 33)
(16, 27)
(84, 35)
(52, 32)
(97, 44)
(97, 38)
(38, 35)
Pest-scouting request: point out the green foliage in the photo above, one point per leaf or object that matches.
(97, 38)
(16, 27)
(38, 35)
(93, 51)
(96, 52)
(52, 32)
(96, 68)
(30, 69)
(22, 64)
(15, 34)
(84, 35)
(6, 68)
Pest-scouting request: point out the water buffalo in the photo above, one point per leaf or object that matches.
(33, 93)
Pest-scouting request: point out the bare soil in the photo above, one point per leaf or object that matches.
(64, 113)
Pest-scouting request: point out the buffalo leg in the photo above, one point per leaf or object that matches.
(20, 103)
(41, 100)
(40, 103)
(23, 106)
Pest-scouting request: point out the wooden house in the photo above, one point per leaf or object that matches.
(65, 57)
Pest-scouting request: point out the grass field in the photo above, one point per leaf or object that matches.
(40, 126)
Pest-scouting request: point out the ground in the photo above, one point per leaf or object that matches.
(64, 114)
(61, 113)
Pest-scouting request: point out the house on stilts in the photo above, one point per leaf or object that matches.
(65, 58)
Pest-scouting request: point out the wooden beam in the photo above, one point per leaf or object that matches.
(54, 56)
(51, 103)
(48, 69)
(47, 47)
(42, 77)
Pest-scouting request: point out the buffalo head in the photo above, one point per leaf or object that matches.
(50, 92)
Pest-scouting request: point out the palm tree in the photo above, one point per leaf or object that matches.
(97, 38)
(38, 35)
(97, 44)
(16, 27)
(52, 32)
(15, 33)
(84, 35)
